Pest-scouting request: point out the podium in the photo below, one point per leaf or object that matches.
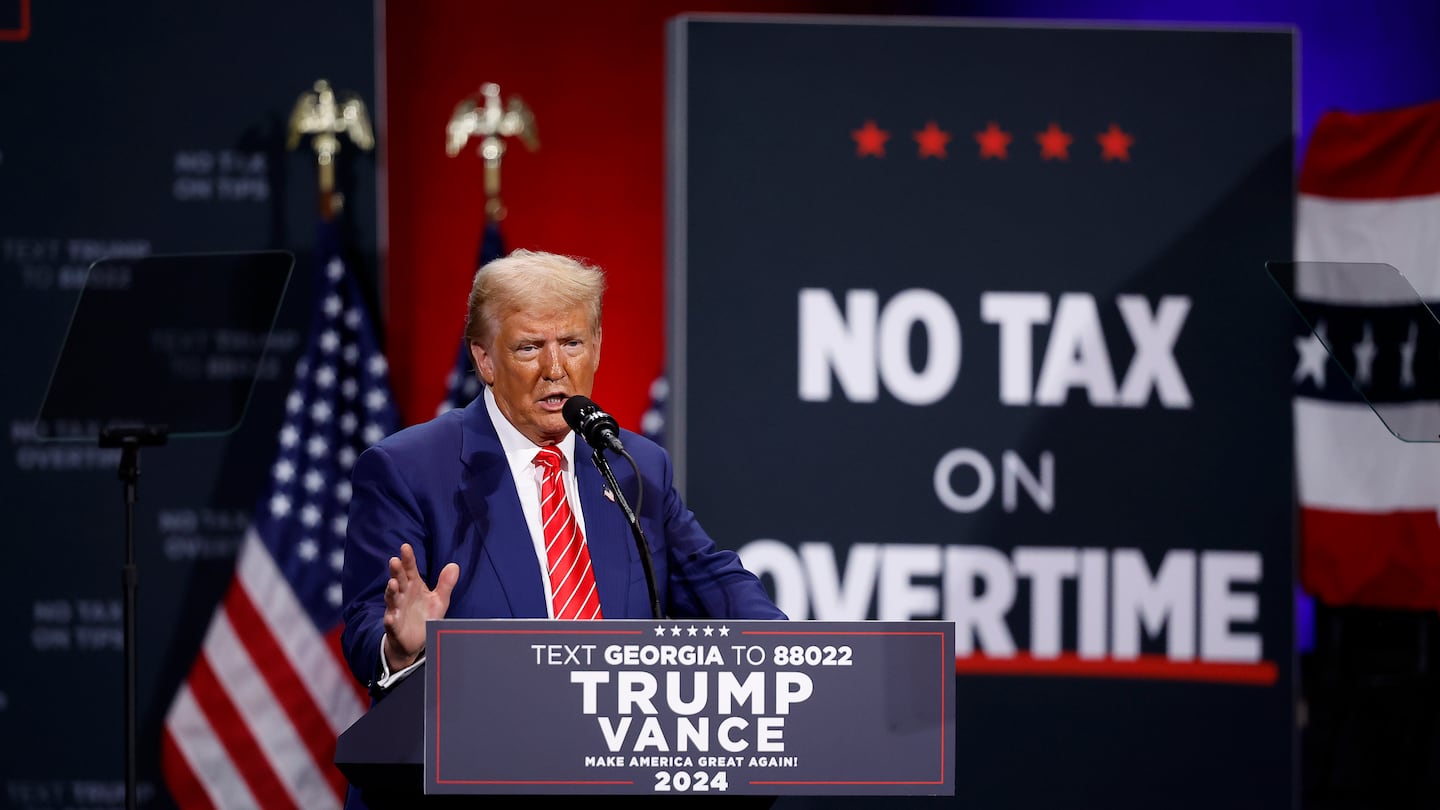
(671, 708)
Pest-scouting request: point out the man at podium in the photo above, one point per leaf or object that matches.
(486, 511)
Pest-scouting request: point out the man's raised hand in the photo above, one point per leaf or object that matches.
(409, 603)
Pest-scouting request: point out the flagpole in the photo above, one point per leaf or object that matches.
(490, 121)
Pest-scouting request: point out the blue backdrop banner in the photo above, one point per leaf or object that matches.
(971, 322)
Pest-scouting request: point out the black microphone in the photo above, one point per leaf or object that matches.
(598, 428)
(602, 432)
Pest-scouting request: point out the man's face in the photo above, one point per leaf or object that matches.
(535, 362)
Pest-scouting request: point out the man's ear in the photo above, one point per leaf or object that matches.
(483, 362)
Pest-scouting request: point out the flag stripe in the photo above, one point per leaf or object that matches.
(287, 619)
(332, 643)
(274, 732)
(287, 688)
(1400, 233)
(1379, 154)
(188, 741)
(1349, 461)
(1380, 560)
(235, 735)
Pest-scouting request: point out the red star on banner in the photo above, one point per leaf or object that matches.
(932, 140)
(1054, 143)
(870, 140)
(993, 141)
(1115, 143)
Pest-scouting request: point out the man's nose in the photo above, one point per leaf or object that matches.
(553, 364)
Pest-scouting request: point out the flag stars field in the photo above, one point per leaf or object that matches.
(1311, 349)
(317, 447)
(1365, 352)
(1407, 357)
(308, 549)
(461, 384)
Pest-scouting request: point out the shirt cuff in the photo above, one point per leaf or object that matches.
(387, 678)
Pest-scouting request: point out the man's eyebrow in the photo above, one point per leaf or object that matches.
(520, 340)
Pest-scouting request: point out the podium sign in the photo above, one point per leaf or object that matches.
(690, 707)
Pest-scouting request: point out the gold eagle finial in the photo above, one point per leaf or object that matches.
(325, 115)
(492, 122)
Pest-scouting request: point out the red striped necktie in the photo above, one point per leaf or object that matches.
(572, 582)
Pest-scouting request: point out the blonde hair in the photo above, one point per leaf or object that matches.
(527, 279)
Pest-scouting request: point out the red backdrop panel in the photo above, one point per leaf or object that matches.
(594, 76)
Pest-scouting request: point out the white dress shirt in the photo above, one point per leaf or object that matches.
(520, 455)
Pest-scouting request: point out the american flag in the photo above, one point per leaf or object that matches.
(462, 386)
(255, 722)
(652, 423)
(1369, 192)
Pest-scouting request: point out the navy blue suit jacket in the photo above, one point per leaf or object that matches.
(445, 487)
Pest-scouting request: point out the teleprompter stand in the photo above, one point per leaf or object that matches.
(160, 348)
(130, 438)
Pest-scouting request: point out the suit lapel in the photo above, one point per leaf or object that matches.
(612, 546)
(489, 492)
